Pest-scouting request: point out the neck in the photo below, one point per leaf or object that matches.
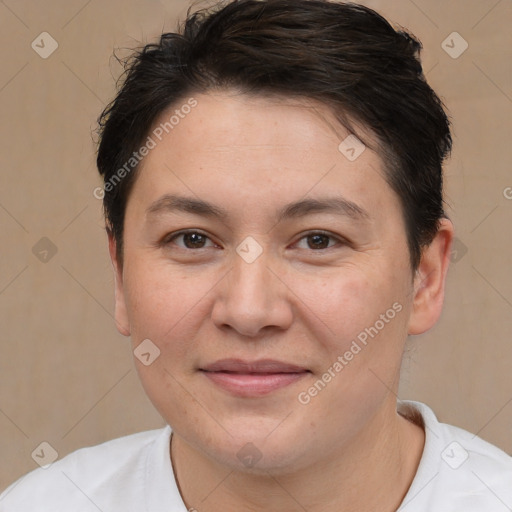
(372, 474)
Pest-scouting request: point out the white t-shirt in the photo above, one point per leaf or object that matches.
(458, 472)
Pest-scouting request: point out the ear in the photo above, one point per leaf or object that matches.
(429, 281)
(121, 314)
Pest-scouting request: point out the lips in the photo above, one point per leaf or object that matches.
(253, 378)
(256, 367)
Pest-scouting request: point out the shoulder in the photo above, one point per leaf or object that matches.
(84, 479)
(460, 469)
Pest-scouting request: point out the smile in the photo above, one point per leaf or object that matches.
(253, 379)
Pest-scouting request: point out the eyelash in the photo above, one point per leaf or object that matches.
(170, 238)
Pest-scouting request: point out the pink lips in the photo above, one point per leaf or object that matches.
(252, 379)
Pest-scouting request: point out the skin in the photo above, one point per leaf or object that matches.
(347, 449)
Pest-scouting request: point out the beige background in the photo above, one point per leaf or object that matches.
(67, 376)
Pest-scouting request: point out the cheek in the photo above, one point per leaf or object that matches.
(164, 304)
(347, 301)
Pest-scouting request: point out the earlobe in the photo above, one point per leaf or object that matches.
(121, 313)
(429, 281)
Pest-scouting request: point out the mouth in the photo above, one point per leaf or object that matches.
(253, 379)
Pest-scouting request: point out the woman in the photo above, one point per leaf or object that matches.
(274, 206)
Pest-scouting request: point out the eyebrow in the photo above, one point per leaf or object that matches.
(338, 205)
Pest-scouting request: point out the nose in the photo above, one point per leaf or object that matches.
(252, 299)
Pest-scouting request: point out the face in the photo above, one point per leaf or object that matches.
(271, 275)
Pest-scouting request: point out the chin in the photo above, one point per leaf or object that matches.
(259, 451)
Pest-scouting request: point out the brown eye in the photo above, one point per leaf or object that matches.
(318, 241)
(190, 240)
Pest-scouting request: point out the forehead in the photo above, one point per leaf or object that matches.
(236, 149)
(229, 121)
